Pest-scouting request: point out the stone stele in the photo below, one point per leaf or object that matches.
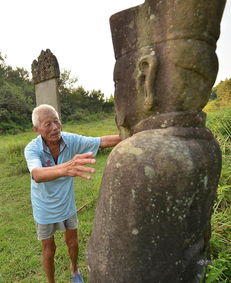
(45, 74)
(153, 215)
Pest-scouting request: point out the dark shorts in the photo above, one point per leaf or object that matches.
(45, 231)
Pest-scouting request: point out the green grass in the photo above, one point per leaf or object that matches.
(220, 270)
(20, 251)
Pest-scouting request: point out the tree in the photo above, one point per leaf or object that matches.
(79, 104)
(223, 90)
(17, 98)
(220, 96)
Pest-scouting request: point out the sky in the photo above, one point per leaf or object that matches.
(78, 34)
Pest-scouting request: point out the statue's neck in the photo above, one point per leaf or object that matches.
(171, 119)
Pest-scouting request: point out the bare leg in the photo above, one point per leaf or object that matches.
(49, 247)
(71, 238)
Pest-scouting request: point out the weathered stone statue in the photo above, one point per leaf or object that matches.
(45, 73)
(152, 221)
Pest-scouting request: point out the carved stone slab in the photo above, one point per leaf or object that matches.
(45, 68)
(45, 73)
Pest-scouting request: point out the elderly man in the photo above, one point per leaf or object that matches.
(53, 159)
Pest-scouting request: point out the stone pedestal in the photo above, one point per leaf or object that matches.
(152, 222)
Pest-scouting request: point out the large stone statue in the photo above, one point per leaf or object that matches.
(152, 220)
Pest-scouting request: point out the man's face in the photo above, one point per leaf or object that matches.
(49, 127)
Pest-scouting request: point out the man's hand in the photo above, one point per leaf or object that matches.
(75, 167)
(72, 168)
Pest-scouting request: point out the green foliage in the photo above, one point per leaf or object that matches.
(79, 104)
(220, 270)
(223, 90)
(220, 96)
(14, 109)
(17, 99)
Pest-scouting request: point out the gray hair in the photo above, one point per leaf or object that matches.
(41, 109)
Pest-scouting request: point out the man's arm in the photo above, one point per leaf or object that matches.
(74, 167)
(109, 141)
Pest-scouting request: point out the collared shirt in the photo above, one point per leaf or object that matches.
(54, 201)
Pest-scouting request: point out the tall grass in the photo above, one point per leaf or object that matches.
(219, 123)
(20, 251)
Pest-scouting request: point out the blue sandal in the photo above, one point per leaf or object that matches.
(77, 278)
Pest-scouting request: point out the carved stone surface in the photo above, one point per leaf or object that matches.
(152, 220)
(165, 58)
(45, 68)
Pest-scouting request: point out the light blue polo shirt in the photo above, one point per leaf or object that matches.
(54, 201)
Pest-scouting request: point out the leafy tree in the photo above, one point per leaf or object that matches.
(223, 90)
(16, 98)
(220, 96)
(108, 106)
(79, 104)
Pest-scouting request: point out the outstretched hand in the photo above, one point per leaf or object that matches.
(76, 166)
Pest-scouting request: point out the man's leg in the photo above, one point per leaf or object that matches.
(71, 239)
(48, 248)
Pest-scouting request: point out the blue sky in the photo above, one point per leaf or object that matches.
(78, 33)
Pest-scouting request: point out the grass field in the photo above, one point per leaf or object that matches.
(20, 250)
